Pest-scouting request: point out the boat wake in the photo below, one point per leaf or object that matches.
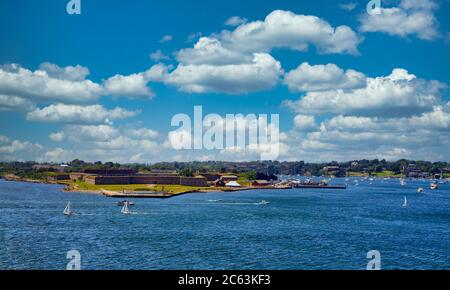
(219, 201)
(140, 213)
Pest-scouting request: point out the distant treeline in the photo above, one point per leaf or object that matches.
(301, 167)
(33, 169)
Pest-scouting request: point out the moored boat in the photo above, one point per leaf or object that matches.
(122, 203)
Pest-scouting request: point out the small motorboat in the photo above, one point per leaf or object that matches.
(264, 202)
(123, 202)
(420, 190)
(434, 186)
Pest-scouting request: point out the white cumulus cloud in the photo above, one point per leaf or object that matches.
(93, 114)
(399, 93)
(15, 104)
(209, 50)
(40, 86)
(235, 21)
(286, 29)
(158, 56)
(262, 73)
(16, 150)
(411, 17)
(130, 86)
(308, 77)
(106, 143)
(305, 123)
(57, 136)
(72, 73)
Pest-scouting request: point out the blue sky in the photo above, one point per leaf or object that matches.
(345, 102)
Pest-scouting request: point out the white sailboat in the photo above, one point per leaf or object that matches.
(402, 182)
(405, 202)
(125, 209)
(67, 211)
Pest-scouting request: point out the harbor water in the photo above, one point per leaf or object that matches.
(293, 229)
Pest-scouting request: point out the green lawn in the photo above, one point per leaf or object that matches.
(172, 188)
(385, 173)
(351, 173)
(243, 181)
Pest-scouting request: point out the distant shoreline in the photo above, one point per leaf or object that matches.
(11, 177)
(116, 193)
(66, 187)
(69, 188)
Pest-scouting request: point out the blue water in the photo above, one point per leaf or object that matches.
(299, 229)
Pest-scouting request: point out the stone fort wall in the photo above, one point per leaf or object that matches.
(138, 179)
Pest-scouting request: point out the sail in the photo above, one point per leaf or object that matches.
(125, 209)
(405, 203)
(67, 210)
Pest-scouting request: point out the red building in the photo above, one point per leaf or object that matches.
(260, 183)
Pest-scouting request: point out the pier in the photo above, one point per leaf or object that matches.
(320, 186)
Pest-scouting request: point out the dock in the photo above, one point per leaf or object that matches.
(320, 186)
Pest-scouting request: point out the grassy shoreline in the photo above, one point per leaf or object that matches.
(172, 190)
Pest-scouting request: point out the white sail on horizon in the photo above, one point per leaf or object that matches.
(67, 210)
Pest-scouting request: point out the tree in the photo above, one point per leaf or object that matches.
(251, 175)
(186, 172)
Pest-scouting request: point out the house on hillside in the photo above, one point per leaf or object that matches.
(228, 178)
(261, 183)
